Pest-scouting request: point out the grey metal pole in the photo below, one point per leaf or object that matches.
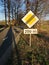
(30, 40)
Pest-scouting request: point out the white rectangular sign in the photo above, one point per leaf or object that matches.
(30, 31)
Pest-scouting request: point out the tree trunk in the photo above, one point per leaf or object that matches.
(5, 11)
(8, 4)
(15, 13)
(12, 13)
(35, 11)
(27, 6)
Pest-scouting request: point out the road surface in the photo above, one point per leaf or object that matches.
(3, 35)
(7, 41)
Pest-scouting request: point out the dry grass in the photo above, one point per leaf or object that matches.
(39, 51)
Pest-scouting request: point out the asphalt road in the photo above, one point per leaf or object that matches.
(3, 35)
(6, 43)
(7, 39)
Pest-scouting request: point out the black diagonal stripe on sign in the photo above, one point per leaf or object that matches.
(30, 19)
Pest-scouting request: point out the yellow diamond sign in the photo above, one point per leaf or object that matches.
(30, 19)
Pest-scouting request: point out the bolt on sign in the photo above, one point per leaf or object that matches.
(30, 19)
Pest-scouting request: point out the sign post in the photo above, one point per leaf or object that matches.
(30, 39)
(30, 32)
(30, 19)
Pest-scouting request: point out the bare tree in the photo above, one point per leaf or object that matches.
(27, 5)
(8, 6)
(5, 11)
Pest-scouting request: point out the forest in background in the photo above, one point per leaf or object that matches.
(15, 10)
